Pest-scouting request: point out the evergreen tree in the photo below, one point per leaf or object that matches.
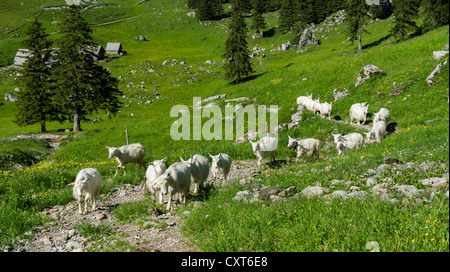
(238, 63)
(209, 9)
(83, 86)
(258, 22)
(436, 13)
(382, 11)
(356, 16)
(192, 4)
(287, 15)
(35, 99)
(405, 11)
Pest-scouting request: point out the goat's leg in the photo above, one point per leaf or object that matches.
(169, 204)
(79, 207)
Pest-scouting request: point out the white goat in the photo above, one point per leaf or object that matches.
(382, 115)
(308, 146)
(220, 163)
(358, 111)
(87, 184)
(325, 109)
(176, 179)
(348, 142)
(265, 146)
(311, 105)
(300, 99)
(127, 154)
(378, 131)
(199, 167)
(154, 170)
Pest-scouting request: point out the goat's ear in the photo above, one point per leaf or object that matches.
(164, 160)
(107, 147)
(71, 184)
(151, 163)
(211, 156)
(289, 137)
(181, 159)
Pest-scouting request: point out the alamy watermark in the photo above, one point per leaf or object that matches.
(228, 125)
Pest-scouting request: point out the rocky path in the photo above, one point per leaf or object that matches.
(60, 235)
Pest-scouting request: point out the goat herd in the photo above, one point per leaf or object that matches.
(177, 177)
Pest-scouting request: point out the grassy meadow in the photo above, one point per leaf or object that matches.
(419, 118)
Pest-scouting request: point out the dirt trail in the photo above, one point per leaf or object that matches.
(59, 234)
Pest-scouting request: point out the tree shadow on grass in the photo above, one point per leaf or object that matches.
(246, 79)
(375, 43)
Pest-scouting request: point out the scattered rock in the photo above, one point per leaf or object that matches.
(407, 190)
(436, 70)
(437, 55)
(367, 72)
(339, 94)
(307, 37)
(371, 181)
(433, 181)
(314, 191)
(397, 91)
(341, 194)
(357, 194)
(10, 98)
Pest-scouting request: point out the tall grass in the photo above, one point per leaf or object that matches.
(318, 224)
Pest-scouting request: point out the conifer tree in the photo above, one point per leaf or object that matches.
(435, 13)
(287, 15)
(238, 63)
(356, 16)
(258, 22)
(209, 9)
(35, 98)
(405, 11)
(83, 86)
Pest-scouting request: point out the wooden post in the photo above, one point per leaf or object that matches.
(126, 133)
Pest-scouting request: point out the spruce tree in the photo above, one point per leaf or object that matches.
(287, 15)
(356, 16)
(83, 86)
(405, 12)
(35, 98)
(238, 63)
(209, 9)
(258, 22)
(435, 13)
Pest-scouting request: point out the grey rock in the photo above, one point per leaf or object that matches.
(371, 181)
(357, 194)
(314, 191)
(397, 91)
(437, 55)
(407, 190)
(307, 37)
(367, 72)
(339, 94)
(266, 192)
(433, 181)
(340, 194)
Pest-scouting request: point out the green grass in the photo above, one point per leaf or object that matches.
(321, 225)
(419, 117)
(93, 232)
